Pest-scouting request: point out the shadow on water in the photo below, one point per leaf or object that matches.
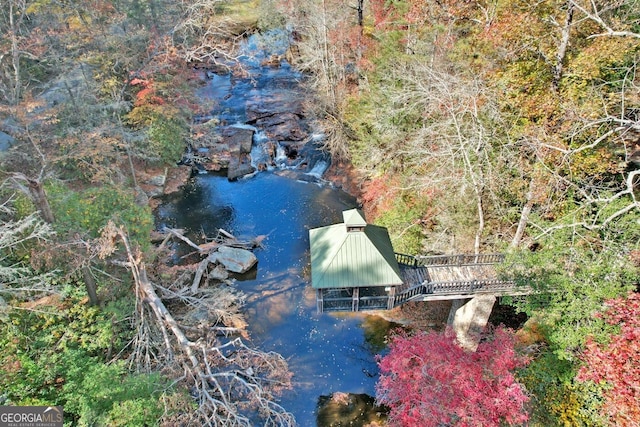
(376, 331)
(327, 353)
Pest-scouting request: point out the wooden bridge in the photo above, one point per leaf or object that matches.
(354, 268)
(425, 278)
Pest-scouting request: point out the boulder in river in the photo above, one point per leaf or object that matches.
(239, 140)
(236, 260)
(281, 118)
(282, 126)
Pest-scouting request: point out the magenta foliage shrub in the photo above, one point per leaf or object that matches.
(427, 379)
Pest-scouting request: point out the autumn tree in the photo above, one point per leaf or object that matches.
(613, 363)
(329, 47)
(451, 123)
(579, 143)
(427, 379)
(571, 98)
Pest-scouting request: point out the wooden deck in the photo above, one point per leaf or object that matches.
(429, 278)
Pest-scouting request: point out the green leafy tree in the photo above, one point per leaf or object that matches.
(573, 285)
(56, 352)
(88, 211)
(557, 399)
(163, 122)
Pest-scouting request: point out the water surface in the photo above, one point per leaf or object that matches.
(326, 352)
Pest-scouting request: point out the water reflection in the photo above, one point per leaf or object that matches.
(346, 409)
(376, 330)
(199, 209)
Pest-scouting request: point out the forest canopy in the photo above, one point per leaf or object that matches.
(470, 126)
(507, 126)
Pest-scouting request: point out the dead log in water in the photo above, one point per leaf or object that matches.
(223, 238)
(224, 249)
(231, 382)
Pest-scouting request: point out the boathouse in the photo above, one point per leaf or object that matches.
(354, 268)
(353, 265)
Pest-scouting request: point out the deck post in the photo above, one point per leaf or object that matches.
(455, 305)
(356, 299)
(319, 301)
(471, 319)
(392, 297)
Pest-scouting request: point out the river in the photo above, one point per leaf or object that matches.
(327, 353)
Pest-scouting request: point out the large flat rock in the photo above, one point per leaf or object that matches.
(239, 140)
(236, 260)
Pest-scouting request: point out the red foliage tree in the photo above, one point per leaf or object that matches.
(384, 13)
(616, 365)
(428, 380)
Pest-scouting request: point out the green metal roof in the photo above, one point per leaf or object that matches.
(353, 218)
(349, 259)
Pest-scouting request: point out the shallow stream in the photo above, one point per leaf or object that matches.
(327, 353)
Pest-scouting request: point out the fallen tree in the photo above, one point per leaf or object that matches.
(224, 238)
(233, 384)
(225, 251)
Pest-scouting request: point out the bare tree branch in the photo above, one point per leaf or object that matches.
(16, 278)
(595, 12)
(233, 384)
(206, 37)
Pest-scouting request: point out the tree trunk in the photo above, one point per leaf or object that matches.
(39, 197)
(15, 54)
(326, 63)
(480, 230)
(524, 217)
(562, 48)
(90, 285)
(360, 13)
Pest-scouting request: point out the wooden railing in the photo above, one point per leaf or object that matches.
(466, 287)
(351, 304)
(426, 289)
(405, 259)
(337, 304)
(373, 303)
(408, 294)
(451, 260)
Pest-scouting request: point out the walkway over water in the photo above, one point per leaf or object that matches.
(425, 278)
(451, 277)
